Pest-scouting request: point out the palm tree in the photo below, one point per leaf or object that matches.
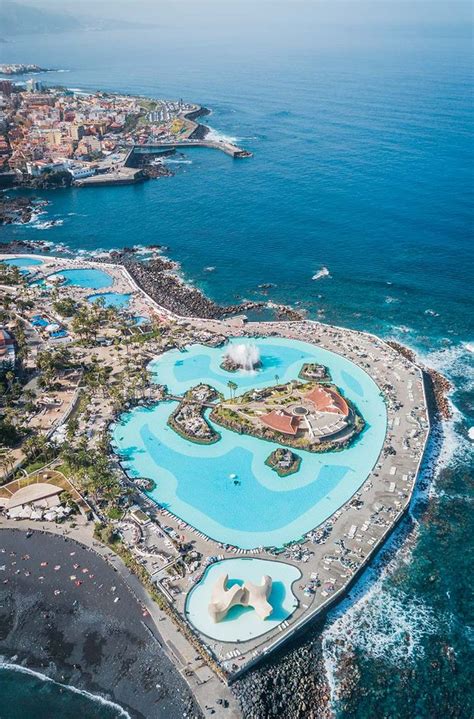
(277, 377)
(232, 386)
(10, 378)
(7, 459)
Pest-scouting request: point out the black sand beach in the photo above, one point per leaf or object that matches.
(66, 613)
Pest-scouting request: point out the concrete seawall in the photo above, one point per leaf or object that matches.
(227, 147)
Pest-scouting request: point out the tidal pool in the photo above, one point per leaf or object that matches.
(225, 490)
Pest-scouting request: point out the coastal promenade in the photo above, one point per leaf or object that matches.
(330, 557)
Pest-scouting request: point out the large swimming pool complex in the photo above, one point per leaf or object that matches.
(198, 482)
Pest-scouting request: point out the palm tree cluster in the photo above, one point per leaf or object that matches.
(65, 306)
(7, 459)
(89, 318)
(232, 387)
(92, 471)
(11, 275)
(51, 363)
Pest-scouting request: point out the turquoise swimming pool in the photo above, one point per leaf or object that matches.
(197, 482)
(89, 278)
(23, 262)
(243, 623)
(141, 320)
(112, 299)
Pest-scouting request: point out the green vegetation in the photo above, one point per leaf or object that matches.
(10, 275)
(65, 307)
(114, 513)
(10, 433)
(50, 365)
(283, 462)
(93, 473)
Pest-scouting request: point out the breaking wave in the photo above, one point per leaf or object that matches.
(379, 620)
(323, 272)
(177, 162)
(93, 697)
(217, 136)
(47, 224)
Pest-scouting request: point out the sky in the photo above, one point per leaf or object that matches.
(333, 11)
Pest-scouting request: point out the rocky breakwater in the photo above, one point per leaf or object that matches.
(293, 686)
(24, 247)
(160, 279)
(200, 131)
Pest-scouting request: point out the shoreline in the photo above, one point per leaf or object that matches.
(97, 699)
(159, 278)
(118, 150)
(86, 653)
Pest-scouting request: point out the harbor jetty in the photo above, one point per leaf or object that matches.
(224, 145)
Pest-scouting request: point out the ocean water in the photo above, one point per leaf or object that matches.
(359, 116)
(30, 695)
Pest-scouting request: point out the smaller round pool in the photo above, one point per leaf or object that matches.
(243, 623)
(141, 320)
(90, 278)
(111, 299)
(23, 262)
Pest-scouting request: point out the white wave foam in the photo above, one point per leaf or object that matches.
(218, 136)
(376, 618)
(177, 162)
(470, 433)
(391, 300)
(382, 624)
(323, 272)
(47, 224)
(94, 697)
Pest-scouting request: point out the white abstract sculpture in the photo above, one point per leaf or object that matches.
(250, 595)
(222, 599)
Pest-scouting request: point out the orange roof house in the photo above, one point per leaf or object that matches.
(326, 399)
(281, 422)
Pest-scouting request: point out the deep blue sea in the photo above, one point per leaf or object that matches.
(359, 116)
